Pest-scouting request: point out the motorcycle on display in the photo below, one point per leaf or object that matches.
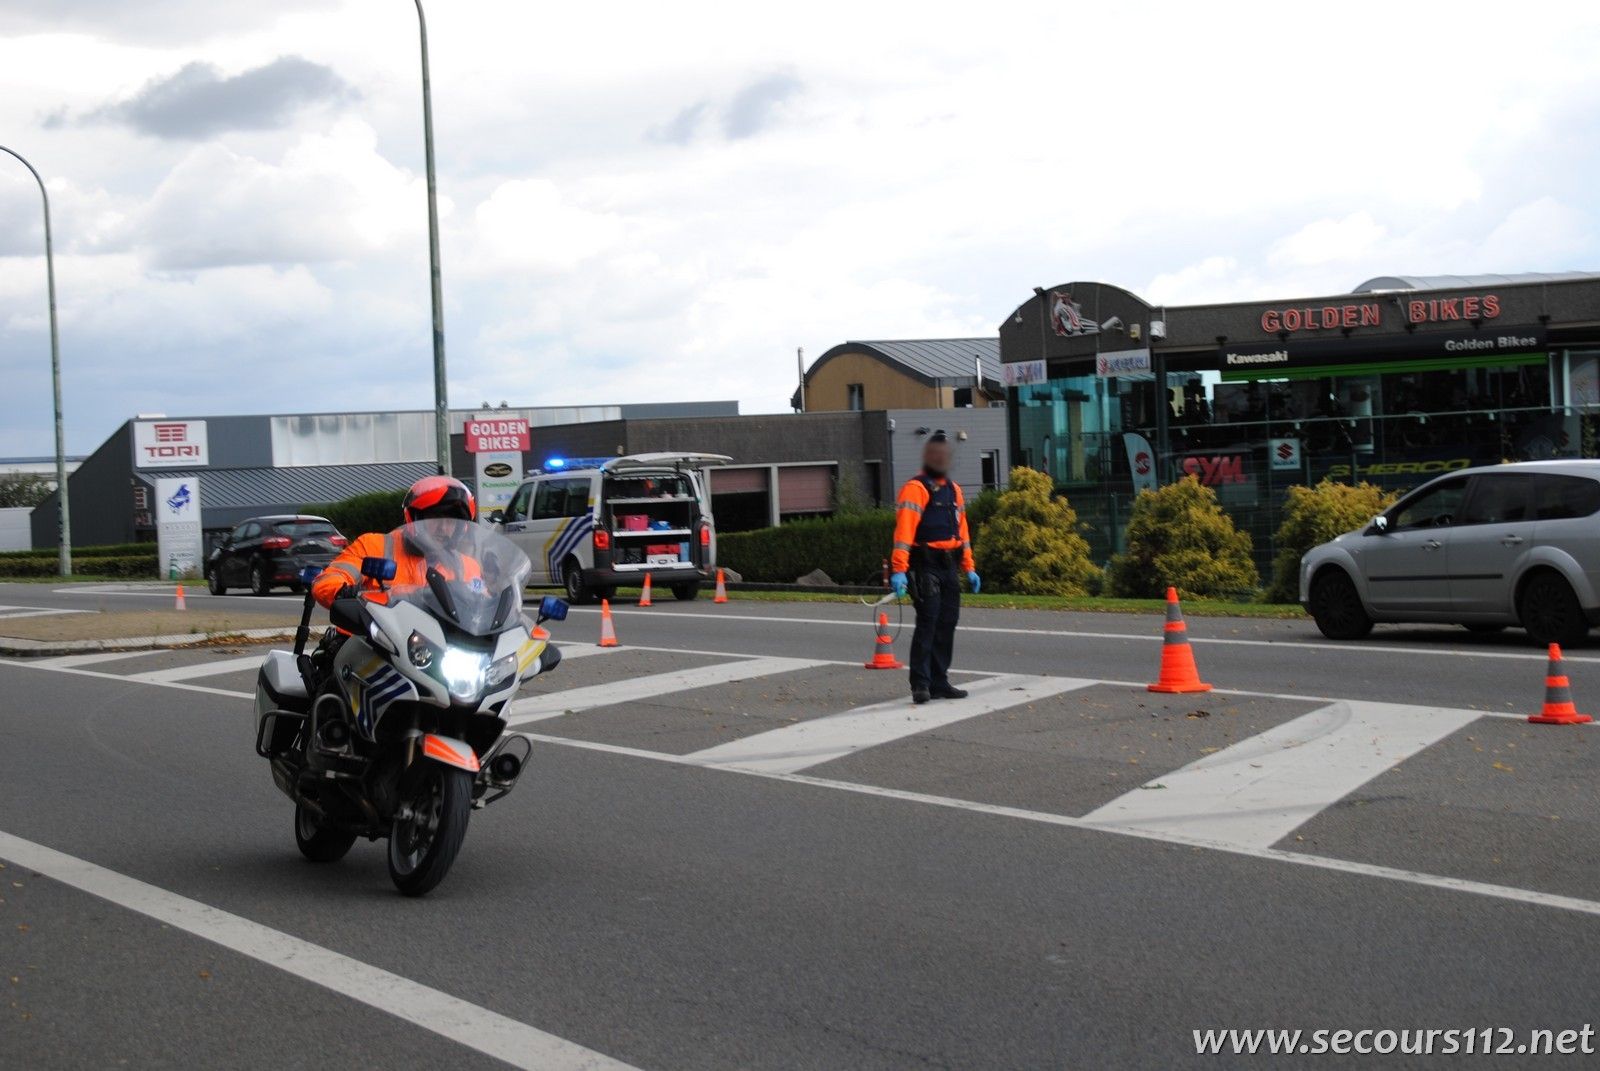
(394, 726)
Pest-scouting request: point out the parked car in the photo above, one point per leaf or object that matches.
(1486, 548)
(590, 527)
(265, 552)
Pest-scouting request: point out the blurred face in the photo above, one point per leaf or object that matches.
(936, 458)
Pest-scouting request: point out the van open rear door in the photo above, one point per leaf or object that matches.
(665, 460)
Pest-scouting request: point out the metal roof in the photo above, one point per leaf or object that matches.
(934, 361)
(263, 490)
(1465, 282)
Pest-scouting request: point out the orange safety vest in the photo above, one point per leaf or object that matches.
(914, 498)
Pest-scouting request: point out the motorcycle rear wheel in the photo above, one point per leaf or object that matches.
(317, 842)
(423, 844)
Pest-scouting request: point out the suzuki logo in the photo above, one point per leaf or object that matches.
(1141, 463)
(1285, 452)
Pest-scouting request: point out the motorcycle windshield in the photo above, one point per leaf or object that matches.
(465, 574)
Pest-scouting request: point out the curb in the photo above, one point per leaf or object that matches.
(11, 646)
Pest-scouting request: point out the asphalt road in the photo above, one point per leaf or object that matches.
(703, 870)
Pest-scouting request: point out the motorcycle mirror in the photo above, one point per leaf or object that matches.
(552, 608)
(350, 615)
(377, 568)
(309, 574)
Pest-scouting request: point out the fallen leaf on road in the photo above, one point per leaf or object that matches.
(1198, 714)
(1498, 765)
(1158, 784)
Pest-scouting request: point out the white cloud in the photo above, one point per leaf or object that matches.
(526, 223)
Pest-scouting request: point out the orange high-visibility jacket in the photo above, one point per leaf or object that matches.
(410, 570)
(908, 516)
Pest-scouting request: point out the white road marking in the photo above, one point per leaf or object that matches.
(67, 661)
(125, 678)
(818, 740)
(1531, 655)
(1276, 855)
(582, 650)
(635, 689)
(199, 669)
(469, 1025)
(11, 613)
(1261, 789)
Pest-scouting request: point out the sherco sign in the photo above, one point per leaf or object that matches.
(169, 444)
(497, 436)
(1370, 313)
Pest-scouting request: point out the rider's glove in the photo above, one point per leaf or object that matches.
(973, 581)
(897, 584)
(346, 592)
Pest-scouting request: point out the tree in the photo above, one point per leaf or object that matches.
(1313, 515)
(23, 489)
(1030, 544)
(1179, 537)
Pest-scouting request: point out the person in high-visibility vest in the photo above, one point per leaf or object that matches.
(931, 550)
(429, 498)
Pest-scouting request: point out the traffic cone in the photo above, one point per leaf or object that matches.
(608, 631)
(644, 597)
(722, 588)
(1558, 708)
(1178, 672)
(179, 602)
(883, 653)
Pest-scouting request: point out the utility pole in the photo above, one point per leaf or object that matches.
(800, 365)
(63, 507)
(441, 390)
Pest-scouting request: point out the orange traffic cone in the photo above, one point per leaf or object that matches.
(179, 602)
(883, 653)
(644, 597)
(1178, 672)
(1558, 708)
(608, 631)
(722, 588)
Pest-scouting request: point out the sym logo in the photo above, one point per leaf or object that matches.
(180, 499)
(1141, 463)
(498, 470)
(1216, 471)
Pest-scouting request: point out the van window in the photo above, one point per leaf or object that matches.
(1559, 498)
(1497, 499)
(517, 509)
(577, 497)
(550, 500)
(661, 485)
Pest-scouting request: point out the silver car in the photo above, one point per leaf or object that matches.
(1487, 548)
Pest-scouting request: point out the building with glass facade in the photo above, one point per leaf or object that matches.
(1395, 382)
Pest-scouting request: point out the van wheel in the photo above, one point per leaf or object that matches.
(578, 591)
(1335, 606)
(1550, 612)
(687, 592)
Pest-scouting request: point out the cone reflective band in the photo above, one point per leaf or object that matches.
(722, 588)
(608, 631)
(179, 602)
(883, 651)
(1558, 706)
(644, 597)
(1178, 671)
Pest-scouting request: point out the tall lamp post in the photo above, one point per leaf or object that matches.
(441, 391)
(64, 519)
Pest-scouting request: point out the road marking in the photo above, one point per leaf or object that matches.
(1277, 855)
(125, 678)
(554, 704)
(198, 669)
(811, 743)
(581, 650)
(68, 661)
(469, 1025)
(11, 613)
(1084, 634)
(1261, 789)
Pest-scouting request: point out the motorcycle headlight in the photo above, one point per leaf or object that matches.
(421, 651)
(463, 672)
(500, 670)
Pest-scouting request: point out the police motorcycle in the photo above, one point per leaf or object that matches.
(395, 727)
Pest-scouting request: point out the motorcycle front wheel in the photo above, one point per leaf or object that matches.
(317, 842)
(428, 831)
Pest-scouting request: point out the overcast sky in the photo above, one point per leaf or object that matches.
(655, 201)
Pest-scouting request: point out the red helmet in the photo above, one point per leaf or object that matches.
(439, 496)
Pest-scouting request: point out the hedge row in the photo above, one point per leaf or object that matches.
(110, 550)
(849, 549)
(378, 511)
(118, 565)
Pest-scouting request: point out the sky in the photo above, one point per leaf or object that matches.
(661, 202)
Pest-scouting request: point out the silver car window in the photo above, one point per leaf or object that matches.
(1435, 507)
(1497, 499)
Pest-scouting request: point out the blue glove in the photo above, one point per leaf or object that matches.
(897, 584)
(974, 582)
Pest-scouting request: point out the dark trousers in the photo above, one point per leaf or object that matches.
(935, 586)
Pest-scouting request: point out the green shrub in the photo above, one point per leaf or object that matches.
(118, 565)
(849, 549)
(1313, 515)
(1179, 537)
(376, 511)
(1030, 544)
(979, 510)
(109, 550)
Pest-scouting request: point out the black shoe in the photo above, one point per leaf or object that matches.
(920, 696)
(948, 692)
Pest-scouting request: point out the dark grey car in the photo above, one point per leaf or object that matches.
(1487, 548)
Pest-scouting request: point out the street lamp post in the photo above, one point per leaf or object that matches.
(63, 509)
(441, 392)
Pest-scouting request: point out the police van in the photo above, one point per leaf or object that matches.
(592, 525)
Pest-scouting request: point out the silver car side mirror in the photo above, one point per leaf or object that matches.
(1380, 524)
